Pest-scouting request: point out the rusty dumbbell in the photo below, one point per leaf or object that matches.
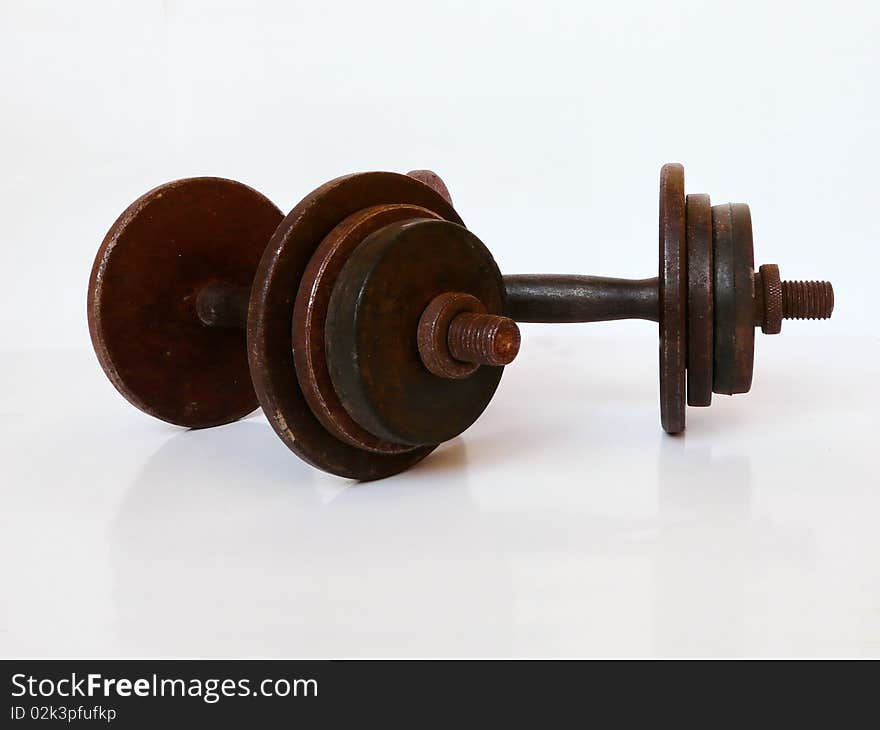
(371, 325)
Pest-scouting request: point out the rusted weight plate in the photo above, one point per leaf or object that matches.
(310, 314)
(734, 298)
(158, 255)
(374, 316)
(673, 303)
(701, 301)
(271, 312)
(432, 180)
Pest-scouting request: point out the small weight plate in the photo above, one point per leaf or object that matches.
(673, 302)
(310, 315)
(157, 256)
(373, 317)
(734, 263)
(701, 301)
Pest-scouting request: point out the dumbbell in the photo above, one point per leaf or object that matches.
(371, 325)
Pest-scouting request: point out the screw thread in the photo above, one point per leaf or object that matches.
(807, 299)
(484, 339)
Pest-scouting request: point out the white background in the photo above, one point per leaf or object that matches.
(564, 522)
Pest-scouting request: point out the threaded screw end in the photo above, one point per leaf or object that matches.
(807, 299)
(484, 339)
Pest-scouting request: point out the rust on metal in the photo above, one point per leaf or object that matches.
(700, 300)
(734, 299)
(807, 300)
(776, 299)
(456, 336)
(433, 334)
(374, 313)
(724, 299)
(673, 299)
(310, 315)
(571, 298)
(485, 339)
(433, 181)
(170, 245)
(768, 299)
(270, 315)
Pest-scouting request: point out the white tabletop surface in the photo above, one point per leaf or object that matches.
(563, 523)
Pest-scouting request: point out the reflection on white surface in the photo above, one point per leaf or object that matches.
(563, 523)
(699, 554)
(281, 565)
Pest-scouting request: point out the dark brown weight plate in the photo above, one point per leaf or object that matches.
(734, 298)
(374, 313)
(673, 274)
(701, 301)
(310, 315)
(270, 318)
(432, 180)
(158, 255)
